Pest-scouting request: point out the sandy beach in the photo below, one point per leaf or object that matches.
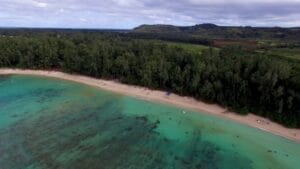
(173, 99)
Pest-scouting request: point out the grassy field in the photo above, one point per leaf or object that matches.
(248, 44)
(293, 53)
(193, 48)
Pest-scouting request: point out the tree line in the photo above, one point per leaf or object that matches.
(241, 80)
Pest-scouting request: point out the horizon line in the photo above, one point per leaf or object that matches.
(94, 28)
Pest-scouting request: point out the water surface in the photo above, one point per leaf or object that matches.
(48, 123)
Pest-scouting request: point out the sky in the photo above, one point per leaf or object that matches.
(124, 14)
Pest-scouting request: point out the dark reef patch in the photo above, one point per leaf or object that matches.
(45, 95)
(4, 78)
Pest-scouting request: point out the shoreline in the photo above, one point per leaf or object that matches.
(161, 97)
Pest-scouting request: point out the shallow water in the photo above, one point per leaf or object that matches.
(49, 123)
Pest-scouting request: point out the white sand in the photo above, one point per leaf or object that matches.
(160, 96)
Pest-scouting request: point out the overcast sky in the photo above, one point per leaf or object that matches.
(131, 13)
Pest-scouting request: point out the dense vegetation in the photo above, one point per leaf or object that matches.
(242, 80)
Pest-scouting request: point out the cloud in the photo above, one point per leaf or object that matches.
(41, 4)
(130, 13)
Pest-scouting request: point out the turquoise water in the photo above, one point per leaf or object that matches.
(54, 124)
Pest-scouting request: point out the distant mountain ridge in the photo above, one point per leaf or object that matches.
(212, 31)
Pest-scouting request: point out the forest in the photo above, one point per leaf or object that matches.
(242, 80)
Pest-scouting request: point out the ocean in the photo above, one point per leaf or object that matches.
(48, 123)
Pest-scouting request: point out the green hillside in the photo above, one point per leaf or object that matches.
(212, 31)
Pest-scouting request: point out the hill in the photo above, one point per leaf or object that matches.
(212, 31)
